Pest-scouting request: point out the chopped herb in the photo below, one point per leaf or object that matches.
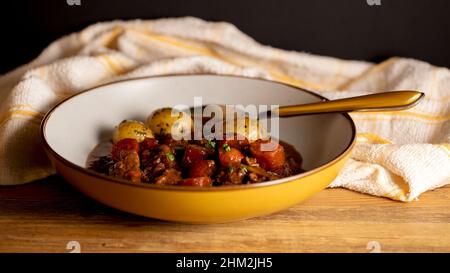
(230, 169)
(211, 144)
(243, 169)
(226, 147)
(170, 156)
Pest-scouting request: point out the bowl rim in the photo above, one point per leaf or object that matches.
(283, 180)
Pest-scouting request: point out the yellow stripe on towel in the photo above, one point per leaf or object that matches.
(111, 64)
(445, 147)
(112, 38)
(373, 138)
(32, 115)
(206, 51)
(369, 71)
(389, 114)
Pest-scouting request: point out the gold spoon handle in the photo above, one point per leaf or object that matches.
(395, 100)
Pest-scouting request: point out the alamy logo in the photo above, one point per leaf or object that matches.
(73, 2)
(74, 247)
(374, 2)
(374, 247)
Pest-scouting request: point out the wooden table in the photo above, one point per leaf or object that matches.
(45, 215)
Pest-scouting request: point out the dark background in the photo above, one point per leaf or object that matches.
(348, 29)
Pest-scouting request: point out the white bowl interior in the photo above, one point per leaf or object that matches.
(76, 126)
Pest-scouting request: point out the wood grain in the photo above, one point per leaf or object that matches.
(45, 215)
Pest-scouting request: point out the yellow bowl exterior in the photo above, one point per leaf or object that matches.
(197, 206)
(200, 205)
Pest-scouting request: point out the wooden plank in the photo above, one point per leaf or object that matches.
(44, 216)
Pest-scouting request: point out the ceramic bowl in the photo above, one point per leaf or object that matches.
(76, 125)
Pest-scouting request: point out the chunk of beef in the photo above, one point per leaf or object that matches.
(168, 177)
(128, 166)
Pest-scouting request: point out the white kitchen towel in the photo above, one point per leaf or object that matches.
(398, 155)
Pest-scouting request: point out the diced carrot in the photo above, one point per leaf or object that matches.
(273, 160)
(230, 156)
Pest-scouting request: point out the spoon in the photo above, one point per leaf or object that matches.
(386, 101)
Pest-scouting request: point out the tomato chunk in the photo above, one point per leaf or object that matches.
(196, 182)
(126, 144)
(193, 154)
(202, 168)
(273, 160)
(230, 156)
(148, 144)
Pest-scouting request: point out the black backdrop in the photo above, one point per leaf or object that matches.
(349, 29)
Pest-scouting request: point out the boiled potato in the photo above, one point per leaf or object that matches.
(131, 129)
(162, 122)
(250, 128)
